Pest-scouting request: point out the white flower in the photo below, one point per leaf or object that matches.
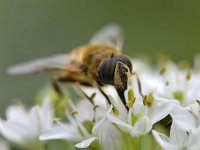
(149, 77)
(24, 127)
(179, 139)
(182, 84)
(107, 135)
(143, 114)
(84, 128)
(74, 130)
(3, 145)
(172, 82)
(187, 118)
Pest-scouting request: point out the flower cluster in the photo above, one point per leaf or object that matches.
(163, 106)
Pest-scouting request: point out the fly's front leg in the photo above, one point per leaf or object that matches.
(61, 79)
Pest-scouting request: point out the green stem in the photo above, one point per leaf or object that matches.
(39, 146)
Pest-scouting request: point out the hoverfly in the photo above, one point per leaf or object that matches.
(98, 63)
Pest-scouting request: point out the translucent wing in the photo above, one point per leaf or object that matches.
(111, 35)
(54, 63)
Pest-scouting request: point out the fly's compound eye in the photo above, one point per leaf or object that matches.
(114, 70)
(106, 71)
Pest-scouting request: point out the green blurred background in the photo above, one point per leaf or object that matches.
(35, 28)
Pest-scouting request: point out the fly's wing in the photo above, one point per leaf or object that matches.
(111, 35)
(54, 63)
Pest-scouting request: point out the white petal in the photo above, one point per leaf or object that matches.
(161, 110)
(117, 103)
(141, 127)
(195, 110)
(184, 118)
(163, 140)
(98, 124)
(196, 146)
(40, 118)
(34, 122)
(17, 113)
(123, 125)
(178, 136)
(138, 107)
(85, 111)
(86, 143)
(59, 132)
(14, 132)
(46, 114)
(194, 139)
(109, 137)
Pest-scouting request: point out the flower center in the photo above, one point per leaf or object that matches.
(179, 95)
(135, 117)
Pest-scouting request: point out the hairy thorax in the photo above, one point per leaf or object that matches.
(93, 55)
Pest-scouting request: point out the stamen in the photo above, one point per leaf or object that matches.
(167, 83)
(131, 98)
(145, 100)
(188, 75)
(95, 107)
(163, 70)
(148, 99)
(73, 113)
(184, 64)
(115, 111)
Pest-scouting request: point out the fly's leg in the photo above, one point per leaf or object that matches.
(64, 79)
(105, 95)
(90, 98)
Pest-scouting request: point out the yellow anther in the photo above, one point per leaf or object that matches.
(162, 70)
(188, 75)
(74, 113)
(115, 111)
(131, 98)
(145, 100)
(184, 64)
(148, 99)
